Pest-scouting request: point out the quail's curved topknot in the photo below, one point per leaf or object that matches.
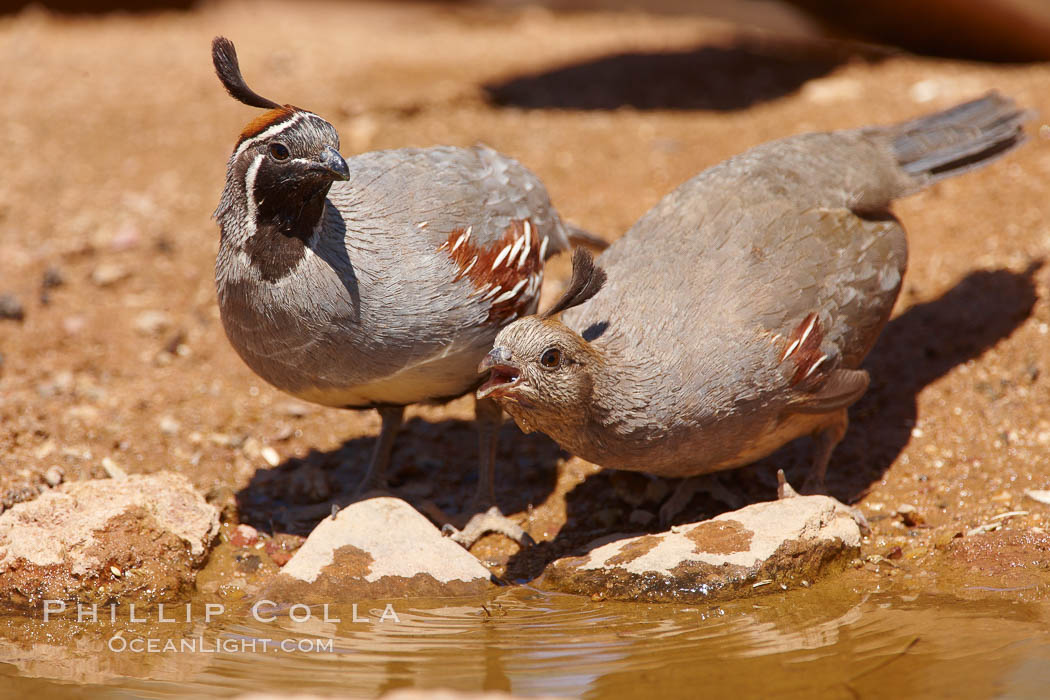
(587, 280)
(224, 56)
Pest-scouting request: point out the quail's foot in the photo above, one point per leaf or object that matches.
(711, 484)
(488, 517)
(491, 520)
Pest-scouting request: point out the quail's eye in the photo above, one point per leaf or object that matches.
(278, 151)
(550, 358)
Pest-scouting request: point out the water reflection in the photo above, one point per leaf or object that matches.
(807, 643)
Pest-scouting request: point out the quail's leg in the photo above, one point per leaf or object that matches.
(710, 484)
(489, 417)
(376, 476)
(824, 443)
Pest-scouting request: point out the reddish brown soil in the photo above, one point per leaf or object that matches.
(115, 135)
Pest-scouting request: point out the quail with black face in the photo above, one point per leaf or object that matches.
(377, 281)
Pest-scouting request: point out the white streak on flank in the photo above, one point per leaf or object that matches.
(514, 251)
(813, 368)
(790, 350)
(534, 282)
(507, 296)
(527, 248)
(249, 190)
(461, 240)
(501, 256)
(272, 131)
(777, 338)
(469, 267)
(528, 232)
(422, 224)
(492, 293)
(443, 246)
(543, 248)
(809, 329)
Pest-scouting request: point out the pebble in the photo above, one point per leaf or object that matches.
(271, 456)
(168, 425)
(295, 409)
(1040, 496)
(11, 308)
(244, 536)
(113, 470)
(54, 476)
(910, 515)
(108, 274)
(153, 322)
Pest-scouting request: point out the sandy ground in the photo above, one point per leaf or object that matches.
(115, 138)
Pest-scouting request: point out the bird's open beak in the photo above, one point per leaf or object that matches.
(504, 375)
(333, 164)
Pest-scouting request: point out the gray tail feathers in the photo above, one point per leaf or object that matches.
(959, 139)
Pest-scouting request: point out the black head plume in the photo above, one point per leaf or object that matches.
(224, 56)
(587, 280)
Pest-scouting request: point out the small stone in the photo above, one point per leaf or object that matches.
(248, 564)
(895, 553)
(108, 274)
(153, 322)
(1039, 496)
(74, 324)
(244, 536)
(295, 409)
(271, 456)
(54, 476)
(126, 238)
(113, 470)
(283, 433)
(378, 548)
(910, 515)
(53, 278)
(11, 308)
(168, 425)
(283, 547)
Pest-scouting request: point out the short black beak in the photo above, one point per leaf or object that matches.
(334, 164)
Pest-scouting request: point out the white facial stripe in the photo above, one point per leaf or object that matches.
(249, 191)
(275, 129)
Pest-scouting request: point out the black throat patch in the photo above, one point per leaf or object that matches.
(289, 208)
